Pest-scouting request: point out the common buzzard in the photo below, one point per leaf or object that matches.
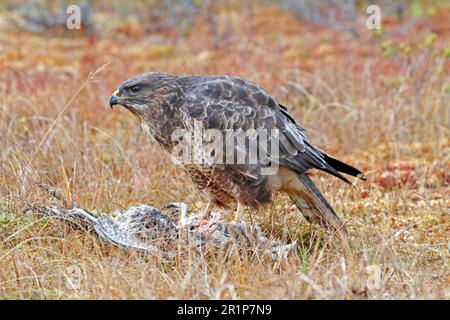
(165, 103)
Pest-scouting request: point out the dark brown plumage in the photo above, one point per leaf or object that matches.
(165, 102)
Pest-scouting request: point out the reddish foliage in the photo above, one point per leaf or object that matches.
(365, 194)
(442, 174)
(397, 176)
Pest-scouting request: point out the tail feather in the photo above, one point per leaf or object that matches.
(316, 209)
(343, 167)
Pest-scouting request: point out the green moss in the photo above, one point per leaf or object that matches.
(447, 88)
(6, 218)
(447, 53)
(431, 39)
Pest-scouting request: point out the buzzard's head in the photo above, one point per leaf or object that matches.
(141, 93)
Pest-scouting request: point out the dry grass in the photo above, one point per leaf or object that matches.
(359, 105)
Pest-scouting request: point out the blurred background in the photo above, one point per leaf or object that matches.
(375, 98)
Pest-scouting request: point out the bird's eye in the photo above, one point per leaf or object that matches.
(135, 88)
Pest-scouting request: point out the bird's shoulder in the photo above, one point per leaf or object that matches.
(232, 97)
(230, 89)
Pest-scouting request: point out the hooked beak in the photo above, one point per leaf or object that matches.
(114, 99)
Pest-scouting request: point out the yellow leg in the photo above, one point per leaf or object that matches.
(207, 210)
(239, 211)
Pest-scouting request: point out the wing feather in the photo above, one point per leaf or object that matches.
(231, 103)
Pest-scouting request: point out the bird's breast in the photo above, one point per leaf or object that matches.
(157, 136)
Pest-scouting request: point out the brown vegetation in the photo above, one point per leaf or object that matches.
(379, 102)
